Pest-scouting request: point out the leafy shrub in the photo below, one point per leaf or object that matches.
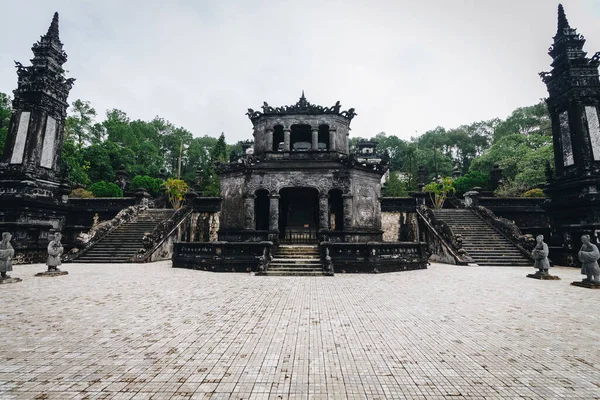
(81, 193)
(471, 180)
(510, 189)
(176, 189)
(534, 193)
(103, 189)
(439, 191)
(151, 185)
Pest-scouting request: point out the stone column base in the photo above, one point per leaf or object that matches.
(10, 280)
(52, 273)
(589, 285)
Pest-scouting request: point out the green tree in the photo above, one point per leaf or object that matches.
(394, 187)
(103, 189)
(530, 120)
(5, 112)
(152, 185)
(79, 125)
(471, 180)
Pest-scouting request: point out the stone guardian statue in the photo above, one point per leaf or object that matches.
(540, 255)
(55, 251)
(6, 254)
(589, 255)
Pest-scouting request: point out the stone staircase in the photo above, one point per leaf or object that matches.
(126, 240)
(296, 260)
(483, 243)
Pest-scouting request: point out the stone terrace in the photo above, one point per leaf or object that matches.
(153, 332)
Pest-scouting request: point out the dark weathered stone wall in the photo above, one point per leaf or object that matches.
(526, 213)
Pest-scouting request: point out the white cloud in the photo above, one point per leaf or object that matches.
(405, 66)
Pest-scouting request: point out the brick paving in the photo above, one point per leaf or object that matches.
(153, 332)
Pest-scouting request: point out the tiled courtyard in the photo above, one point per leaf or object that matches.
(154, 332)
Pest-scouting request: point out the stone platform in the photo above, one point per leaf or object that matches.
(52, 273)
(9, 280)
(588, 285)
(544, 277)
(149, 331)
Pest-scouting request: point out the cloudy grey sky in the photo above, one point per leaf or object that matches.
(406, 66)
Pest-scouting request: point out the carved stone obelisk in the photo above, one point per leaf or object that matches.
(573, 198)
(33, 187)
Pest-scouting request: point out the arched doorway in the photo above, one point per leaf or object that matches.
(298, 215)
(261, 210)
(336, 210)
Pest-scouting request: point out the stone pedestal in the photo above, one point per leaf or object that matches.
(10, 280)
(52, 273)
(544, 276)
(588, 285)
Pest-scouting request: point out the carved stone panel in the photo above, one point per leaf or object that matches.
(591, 114)
(48, 146)
(565, 136)
(21, 139)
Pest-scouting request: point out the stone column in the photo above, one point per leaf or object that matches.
(332, 134)
(324, 212)
(274, 212)
(347, 199)
(269, 139)
(315, 139)
(286, 139)
(249, 211)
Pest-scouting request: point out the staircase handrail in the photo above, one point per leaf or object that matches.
(507, 228)
(162, 232)
(86, 240)
(448, 239)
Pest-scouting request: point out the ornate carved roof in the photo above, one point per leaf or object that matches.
(303, 106)
(571, 68)
(46, 74)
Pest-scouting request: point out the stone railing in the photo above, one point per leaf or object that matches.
(85, 241)
(446, 246)
(508, 229)
(221, 256)
(158, 243)
(374, 257)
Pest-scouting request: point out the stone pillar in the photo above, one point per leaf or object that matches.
(347, 199)
(274, 212)
(324, 212)
(286, 139)
(315, 140)
(249, 211)
(269, 139)
(332, 135)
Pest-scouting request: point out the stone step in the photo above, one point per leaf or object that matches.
(287, 273)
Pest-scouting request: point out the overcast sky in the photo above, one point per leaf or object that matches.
(406, 66)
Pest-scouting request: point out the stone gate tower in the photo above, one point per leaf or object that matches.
(32, 185)
(573, 198)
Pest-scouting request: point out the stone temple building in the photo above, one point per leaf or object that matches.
(301, 185)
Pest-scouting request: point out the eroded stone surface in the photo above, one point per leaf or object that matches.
(131, 331)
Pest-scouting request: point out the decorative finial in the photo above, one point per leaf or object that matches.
(53, 29)
(302, 97)
(563, 23)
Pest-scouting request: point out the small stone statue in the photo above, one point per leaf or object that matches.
(540, 255)
(6, 254)
(328, 265)
(589, 255)
(55, 251)
(263, 261)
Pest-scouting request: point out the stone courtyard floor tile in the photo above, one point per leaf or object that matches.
(153, 332)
